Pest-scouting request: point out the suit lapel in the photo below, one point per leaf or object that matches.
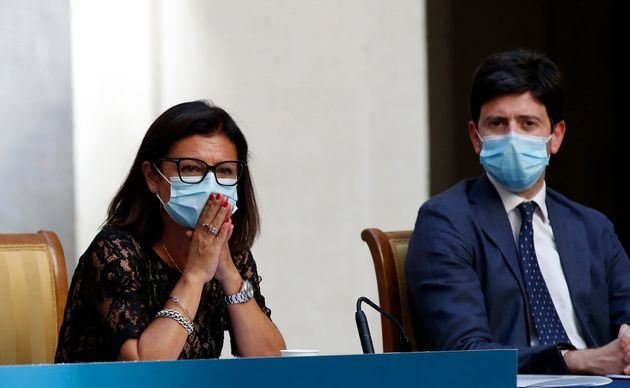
(570, 239)
(490, 214)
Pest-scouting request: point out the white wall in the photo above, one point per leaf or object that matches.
(112, 89)
(331, 96)
(36, 110)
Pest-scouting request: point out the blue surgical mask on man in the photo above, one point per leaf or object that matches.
(188, 200)
(516, 161)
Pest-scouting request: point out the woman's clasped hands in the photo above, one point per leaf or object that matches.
(209, 241)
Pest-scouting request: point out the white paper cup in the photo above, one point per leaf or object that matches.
(298, 352)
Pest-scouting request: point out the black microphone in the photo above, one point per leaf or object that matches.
(364, 328)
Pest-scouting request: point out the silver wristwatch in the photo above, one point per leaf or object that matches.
(246, 293)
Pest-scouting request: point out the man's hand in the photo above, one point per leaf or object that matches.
(613, 358)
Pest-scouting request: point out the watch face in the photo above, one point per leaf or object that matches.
(248, 289)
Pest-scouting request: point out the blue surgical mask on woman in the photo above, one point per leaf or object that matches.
(516, 161)
(188, 200)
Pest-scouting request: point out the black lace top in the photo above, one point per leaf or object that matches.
(119, 286)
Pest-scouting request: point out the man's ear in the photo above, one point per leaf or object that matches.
(474, 137)
(151, 177)
(558, 134)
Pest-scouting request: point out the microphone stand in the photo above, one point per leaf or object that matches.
(364, 329)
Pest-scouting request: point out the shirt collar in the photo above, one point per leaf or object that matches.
(511, 200)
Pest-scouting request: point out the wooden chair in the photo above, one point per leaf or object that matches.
(33, 291)
(389, 252)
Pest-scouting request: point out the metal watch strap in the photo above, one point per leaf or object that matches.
(236, 298)
(243, 295)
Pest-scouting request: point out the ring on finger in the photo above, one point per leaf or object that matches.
(211, 228)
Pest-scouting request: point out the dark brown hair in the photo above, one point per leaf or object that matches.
(517, 71)
(135, 208)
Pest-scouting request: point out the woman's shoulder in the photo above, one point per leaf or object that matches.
(115, 244)
(109, 232)
(114, 235)
(116, 260)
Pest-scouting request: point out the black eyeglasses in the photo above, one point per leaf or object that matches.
(192, 171)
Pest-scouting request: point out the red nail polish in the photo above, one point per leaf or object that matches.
(211, 197)
(218, 196)
(225, 203)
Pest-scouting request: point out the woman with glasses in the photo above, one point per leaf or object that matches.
(171, 269)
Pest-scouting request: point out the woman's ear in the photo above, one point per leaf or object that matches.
(151, 176)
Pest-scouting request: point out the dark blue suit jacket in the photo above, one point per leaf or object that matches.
(465, 285)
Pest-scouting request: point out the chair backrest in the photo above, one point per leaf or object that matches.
(389, 252)
(33, 291)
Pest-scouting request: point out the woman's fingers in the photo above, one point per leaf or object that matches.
(211, 235)
(231, 230)
(210, 210)
(213, 224)
(205, 212)
(214, 214)
(225, 232)
(223, 214)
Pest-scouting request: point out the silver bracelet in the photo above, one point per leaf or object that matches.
(178, 302)
(177, 316)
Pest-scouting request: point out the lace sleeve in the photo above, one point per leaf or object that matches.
(119, 296)
(247, 268)
(106, 301)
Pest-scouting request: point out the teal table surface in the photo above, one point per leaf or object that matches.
(483, 369)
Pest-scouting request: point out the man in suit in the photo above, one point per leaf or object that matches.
(502, 261)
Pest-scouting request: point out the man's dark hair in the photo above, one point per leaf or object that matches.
(515, 72)
(136, 208)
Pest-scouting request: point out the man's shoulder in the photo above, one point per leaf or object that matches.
(454, 198)
(448, 210)
(583, 212)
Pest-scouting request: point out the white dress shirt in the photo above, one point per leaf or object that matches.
(548, 259)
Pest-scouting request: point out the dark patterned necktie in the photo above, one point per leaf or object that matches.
(548, 325)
